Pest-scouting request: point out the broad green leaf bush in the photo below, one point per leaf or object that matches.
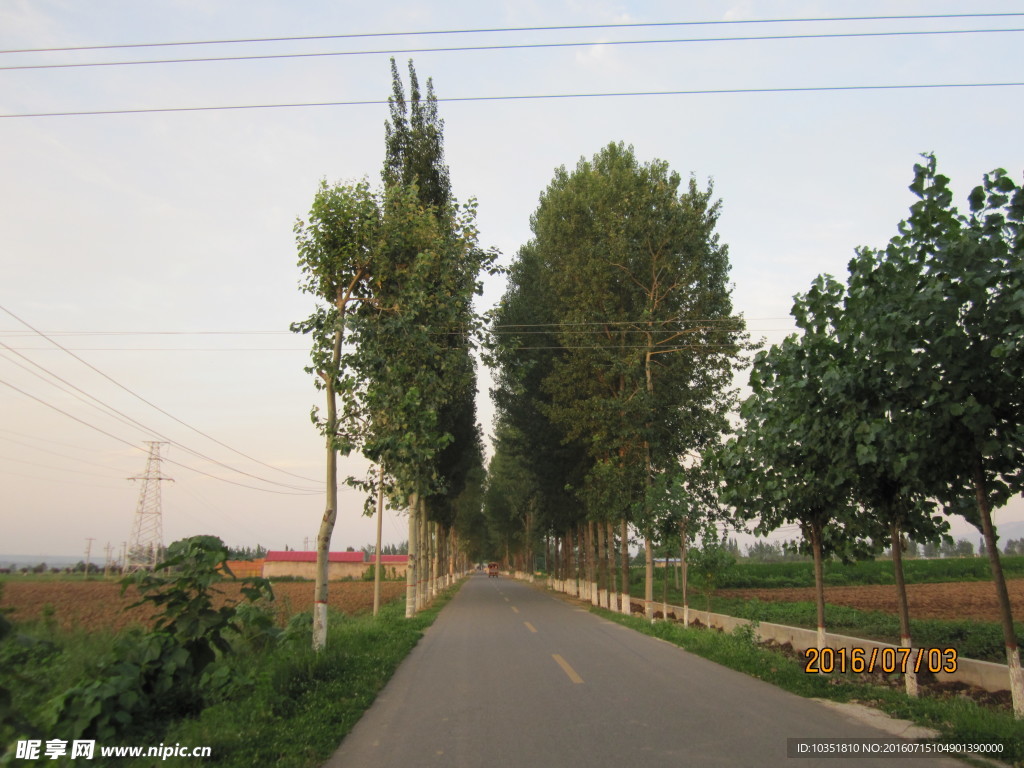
(176, 668)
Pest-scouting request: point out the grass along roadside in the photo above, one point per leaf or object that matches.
(300, 705)
(957, 721)
(281, 704)
(746, 575)
(982, 640)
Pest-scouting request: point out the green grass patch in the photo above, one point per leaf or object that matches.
(865, 572)
(285, 705)
(747, 575)
(957, 721)
(301, 704)
(981, 640)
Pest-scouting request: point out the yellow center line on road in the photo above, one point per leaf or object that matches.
(514, 609)
(566, 668)
(530, 626)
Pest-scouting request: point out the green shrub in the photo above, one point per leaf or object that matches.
(172, 670)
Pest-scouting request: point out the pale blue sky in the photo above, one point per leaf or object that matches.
(183, 221)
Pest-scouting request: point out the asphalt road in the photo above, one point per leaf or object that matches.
(510, 676)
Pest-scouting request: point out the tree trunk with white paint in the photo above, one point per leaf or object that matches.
(684, 548)
(423, 572)
(819, 581)
(613, 603)
(591, 564)
(323, 538)
(376, 551)
(648, 577)
(999, 582)
(664, 589)
(410, 571)
(624, 602)
(896, 540)
(435, 561)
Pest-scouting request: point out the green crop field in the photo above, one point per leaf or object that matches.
(745, 575)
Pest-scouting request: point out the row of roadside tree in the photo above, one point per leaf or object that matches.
(615, 347)
(899, 401)
(393, 272)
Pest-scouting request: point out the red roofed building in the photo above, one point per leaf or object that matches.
(341, 565)
(388, 559)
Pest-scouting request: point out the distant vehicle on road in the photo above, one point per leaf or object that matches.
(492, 570)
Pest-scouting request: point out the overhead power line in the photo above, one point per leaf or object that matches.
(490, 30)
(150, 333)
(167, 349)
(509, 47)
(158, 408)
(502, 326)
(525, 97)
(132, 445)
(109, 410)
(49, 451)
(63, 469)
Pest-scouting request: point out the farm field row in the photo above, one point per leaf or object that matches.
(746, 575)
(956, 600)
(92, 605)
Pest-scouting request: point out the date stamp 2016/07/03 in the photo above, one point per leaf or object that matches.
(842, 660)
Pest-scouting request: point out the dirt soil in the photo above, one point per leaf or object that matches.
(95, 605)
(962, 600)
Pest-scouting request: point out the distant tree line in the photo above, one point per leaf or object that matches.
(247, 553)
(386, 549)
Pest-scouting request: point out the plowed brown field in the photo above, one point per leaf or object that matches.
(966, 600)
(95, 605)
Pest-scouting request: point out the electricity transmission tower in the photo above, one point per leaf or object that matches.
(147, 538)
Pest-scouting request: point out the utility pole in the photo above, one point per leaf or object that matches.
(88, 555)
(106, 562)
(147, 537)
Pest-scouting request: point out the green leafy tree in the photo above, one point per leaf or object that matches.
(954, 350)
(765, 552)
(780, 468)
(637, 284)
(414, 141)
(711, 562)
(686, 501)
(878, 445)
(414, 157)
(522, 354)
(172, 670)
(338, 246)
(511, 499)
(403, 372)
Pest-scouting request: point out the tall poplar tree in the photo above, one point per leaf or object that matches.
(523, 352)
(414, 157)
(640, 310)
